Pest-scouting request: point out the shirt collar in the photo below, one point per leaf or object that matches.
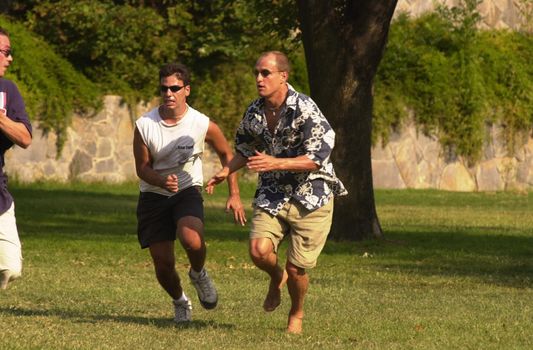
(290, 102)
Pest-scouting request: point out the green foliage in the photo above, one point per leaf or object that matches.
(122, 44)
(220, 94)
(455, 79)
(51, 87)
(507, 66)
(119, 47)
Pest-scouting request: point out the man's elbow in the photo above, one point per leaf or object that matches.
(25, 142)
(139, 172)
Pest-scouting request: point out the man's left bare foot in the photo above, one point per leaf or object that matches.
(295, 325)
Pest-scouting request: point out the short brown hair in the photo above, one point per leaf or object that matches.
(178, 69)
(282, 61)
(4, 32)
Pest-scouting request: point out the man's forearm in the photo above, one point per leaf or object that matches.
(233, 185)
(301, 163)
(15, 131)
(237, 162)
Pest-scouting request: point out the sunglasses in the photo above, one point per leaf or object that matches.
(7, 52)
(173, 88)
(264, 72)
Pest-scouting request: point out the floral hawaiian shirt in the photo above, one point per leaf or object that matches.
(301, 130)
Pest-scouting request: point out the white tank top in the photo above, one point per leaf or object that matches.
(175, 149)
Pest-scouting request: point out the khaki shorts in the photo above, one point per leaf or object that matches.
(308, 230)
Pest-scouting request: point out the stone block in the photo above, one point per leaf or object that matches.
(90, 147)
(524, 172)
(105, 130)
(127, 169)
(105, 166)
(426, 176)
(488, 177)
(455, 177)
(81, 163)
(528, 147)
(385, 174)
(406, 161)
(104, 147)
(381, 153)
(124, 131)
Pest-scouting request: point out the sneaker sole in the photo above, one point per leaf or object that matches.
(182, 321)
(208, 306)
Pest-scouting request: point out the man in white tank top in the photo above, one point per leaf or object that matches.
(168, 144)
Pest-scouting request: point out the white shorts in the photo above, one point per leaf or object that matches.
(10, 248)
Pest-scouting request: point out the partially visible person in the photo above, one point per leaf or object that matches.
(168, 144)
(285, 138)
(15, 128)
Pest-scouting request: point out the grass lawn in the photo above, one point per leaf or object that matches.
(456, 272)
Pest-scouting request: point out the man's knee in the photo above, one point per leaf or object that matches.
(190, 233)
(293, 270)
(261, 248)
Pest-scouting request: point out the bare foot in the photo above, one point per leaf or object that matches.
(273, 298)
(295, 325)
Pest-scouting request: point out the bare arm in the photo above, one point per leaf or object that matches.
(216, 139)
(263, 162)
(237, 162)
(15, 131)
(143, 166)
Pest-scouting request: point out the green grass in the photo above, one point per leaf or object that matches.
(456, 272)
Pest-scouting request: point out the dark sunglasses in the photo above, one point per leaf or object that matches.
(173, 88)
(264, 72)
(7, 52)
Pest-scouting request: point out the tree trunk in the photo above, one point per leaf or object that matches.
(344, 43)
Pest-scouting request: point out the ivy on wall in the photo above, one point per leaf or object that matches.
(52, 89)
(455, 79)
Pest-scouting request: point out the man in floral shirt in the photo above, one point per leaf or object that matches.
(285, 138)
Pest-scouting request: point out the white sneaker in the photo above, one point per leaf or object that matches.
(206, 290)
(182, 311)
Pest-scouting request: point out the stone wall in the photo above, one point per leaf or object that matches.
(97, 149)
(414, 160)
(499, 14)
(100, 149)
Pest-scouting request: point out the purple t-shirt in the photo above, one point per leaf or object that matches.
(11, 101)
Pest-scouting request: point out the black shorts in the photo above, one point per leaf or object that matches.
(157, 215)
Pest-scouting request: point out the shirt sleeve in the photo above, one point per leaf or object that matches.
(319, 137)
(16, 110)
(248, 136)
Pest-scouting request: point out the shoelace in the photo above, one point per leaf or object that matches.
(181, 310)
(205, 285)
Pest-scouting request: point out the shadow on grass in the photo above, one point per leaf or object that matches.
(495, 254)
(79, 317)
(78, 213)
(478, 252)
